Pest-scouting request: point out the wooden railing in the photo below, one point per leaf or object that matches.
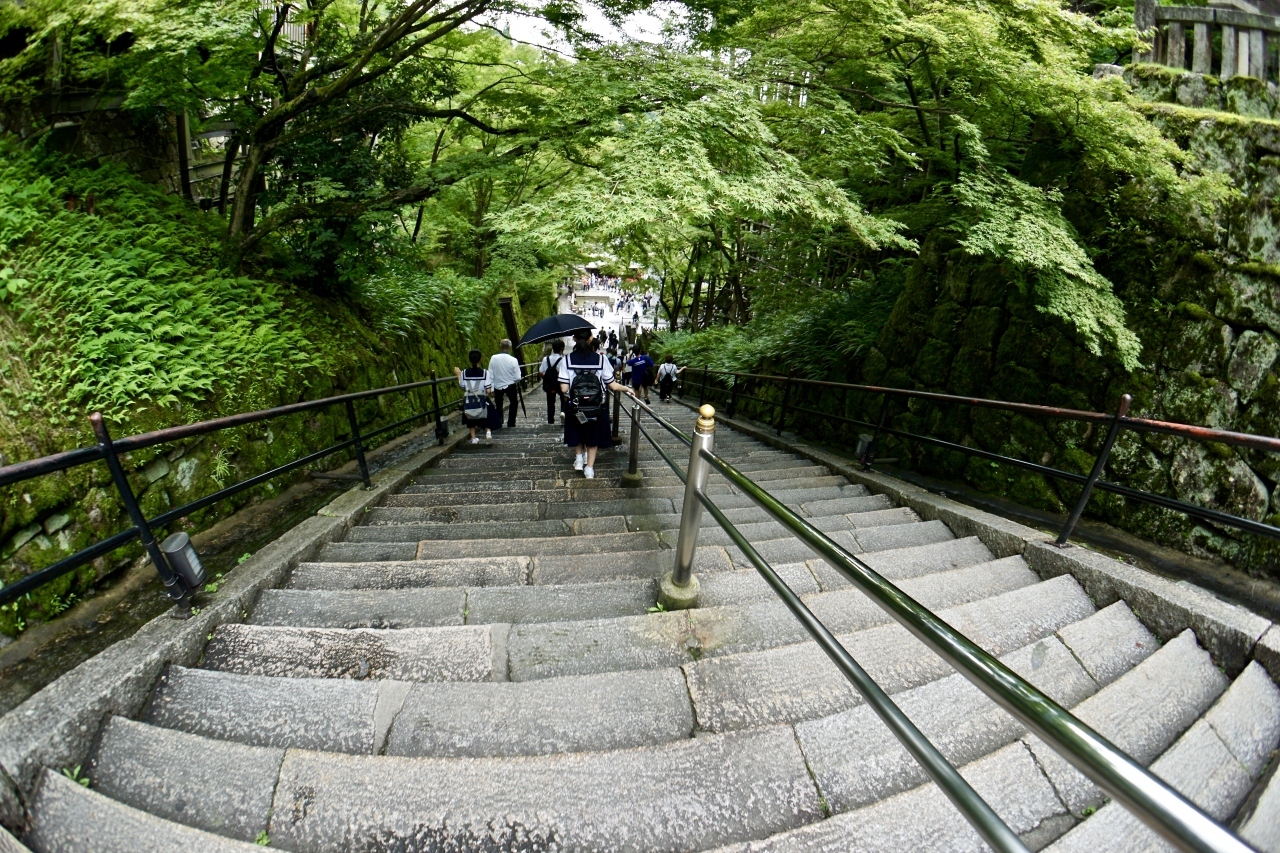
(1246, 40)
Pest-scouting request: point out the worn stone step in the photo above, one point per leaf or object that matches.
(227, 791)
(847, 530)
(799, 682)
(857, 761)
(576, 714)
(1011, 780)
(1141, 713)
(559, 715)
(1214, 764)
(70, 818)
(584, 544)
(668, 639)
(725, 497)
(1259, 821)
(562, 568)
(462, 653)
(403, 574)
(614, 464)
(912, 561)
(788, 549)
(433, 607)
(333, 714)
(746, 517)
(867, 503)
(552, 527)
(569, 510)
(687, 795)
(364, 552)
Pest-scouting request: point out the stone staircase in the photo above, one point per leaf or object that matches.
(481, 665)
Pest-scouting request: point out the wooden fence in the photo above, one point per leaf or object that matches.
(1246, 42)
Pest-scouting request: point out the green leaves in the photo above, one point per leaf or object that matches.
(1004, 218)
(128, 307)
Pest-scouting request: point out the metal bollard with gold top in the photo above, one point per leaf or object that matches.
(678, 590)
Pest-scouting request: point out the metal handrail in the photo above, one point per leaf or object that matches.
(1114, 423)
(1125, 780)
(109, 449)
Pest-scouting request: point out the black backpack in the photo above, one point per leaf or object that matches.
(551, 379)
(586, 393)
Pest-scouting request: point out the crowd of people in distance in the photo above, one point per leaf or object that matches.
(578, 380)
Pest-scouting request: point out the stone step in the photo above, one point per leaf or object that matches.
(844, 529)
(333, 714)
(788, 549)
(227, 791)
(459, 719)
(434, 607)
(686, 795)
(799, 682)
(553, 648)
(668, 639)
(857, 761)
(362, 552)
(577, 490)
(485, 530)
(614, 464)
(1259, 820)
(518, 512)
(912, 561)
(555, 568)
(392, 574)
(70, 818)
(744, 516)
(460, 653)
(1011, 779)
(1214, 764)
(725, 497)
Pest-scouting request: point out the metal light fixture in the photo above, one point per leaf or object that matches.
(183, 559)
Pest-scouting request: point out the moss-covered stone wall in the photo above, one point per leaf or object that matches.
(44, 520)
(1209, 319)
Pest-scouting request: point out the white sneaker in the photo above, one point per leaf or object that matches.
(488, 435)
(475, 441)
(589, 472)
(579, 461)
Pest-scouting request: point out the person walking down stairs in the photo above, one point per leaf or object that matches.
(477, 388)
(549, 371)
(640, 365)
(584, 376)
(505, 371)
(667, 373)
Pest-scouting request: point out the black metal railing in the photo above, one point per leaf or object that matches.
(109, 449)
(1123, 778)
(782, 409)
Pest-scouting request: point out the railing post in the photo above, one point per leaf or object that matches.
(733, 397)
(678, 590)
(617, 426)
(702, 397)
(173, 583)
(442, 431)
(633, 478)
(355, 436)
(782, 407)
(1098, 464)
(869, 455)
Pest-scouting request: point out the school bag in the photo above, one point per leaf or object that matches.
(475, 404)
(586, 393)
(551, 379)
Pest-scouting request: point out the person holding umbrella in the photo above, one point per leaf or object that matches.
(584, 376)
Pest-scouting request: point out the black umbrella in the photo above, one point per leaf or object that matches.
(555, 326)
